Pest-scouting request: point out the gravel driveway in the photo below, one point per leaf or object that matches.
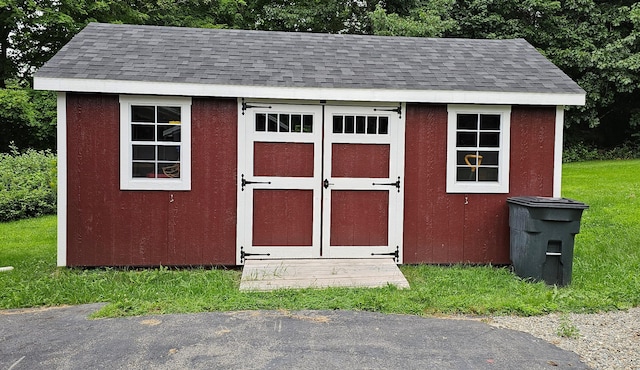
(608, 340)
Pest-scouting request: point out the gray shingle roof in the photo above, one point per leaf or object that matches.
(285, 59)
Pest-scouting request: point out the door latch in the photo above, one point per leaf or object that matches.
(396, 184)
(244, 182)
(326, 183)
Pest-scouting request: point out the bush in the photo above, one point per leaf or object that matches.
(580, 152)
(27, 184)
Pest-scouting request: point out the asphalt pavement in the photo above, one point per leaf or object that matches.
(64, 338)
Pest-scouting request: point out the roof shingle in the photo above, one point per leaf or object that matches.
(308, 60)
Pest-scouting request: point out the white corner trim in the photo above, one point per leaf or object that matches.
(61, 128)
(502, 185)
(307, 93)
(557, 152)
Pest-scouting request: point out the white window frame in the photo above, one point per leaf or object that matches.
(500, 186)
(127, 181)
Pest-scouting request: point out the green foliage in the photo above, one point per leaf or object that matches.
(567, 329)
(580, 152)
(27, 118)
(431, 20)
(606, 261)
(27, 184)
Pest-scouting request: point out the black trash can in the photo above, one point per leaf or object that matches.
(542, 237)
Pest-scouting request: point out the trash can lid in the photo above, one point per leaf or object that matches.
(547, 202)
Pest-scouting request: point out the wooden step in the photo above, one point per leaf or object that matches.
(265, 275)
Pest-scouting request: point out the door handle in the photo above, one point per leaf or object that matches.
(326, 183)
(244, 182)
(396, 184)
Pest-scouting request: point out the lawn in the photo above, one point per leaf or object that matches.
(606, 272)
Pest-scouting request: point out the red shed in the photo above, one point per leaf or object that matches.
(186, 146)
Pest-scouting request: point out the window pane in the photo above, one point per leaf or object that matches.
(261, 122)
(466, 139)
(168, 114)
(307, 123)
(144, 169)
(284, 123)
(487, 174)
(169, 170)
(169, 133)
(272, 122)
(490, 122)
(143, 132)
(463, 156)
(489, 158)
(349, 125)
(372, 123)
(360, 124)
(467, 122)
(383, 125)
(142, 152)
(337, 124)
(465, 174)
(169, 153)
(296, 123)
(142, 113)
(489, 139)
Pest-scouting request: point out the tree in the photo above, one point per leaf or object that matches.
(431, 19)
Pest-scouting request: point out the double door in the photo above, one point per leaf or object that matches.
(320, 181)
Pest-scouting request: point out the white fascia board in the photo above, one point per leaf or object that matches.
(269, 92)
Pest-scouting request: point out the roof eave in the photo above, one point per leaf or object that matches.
(306, 93)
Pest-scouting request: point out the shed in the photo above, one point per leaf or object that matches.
(182, 146)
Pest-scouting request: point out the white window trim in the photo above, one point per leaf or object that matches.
(502, 185)
(127, 181)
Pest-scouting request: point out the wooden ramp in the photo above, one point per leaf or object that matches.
(264, 275)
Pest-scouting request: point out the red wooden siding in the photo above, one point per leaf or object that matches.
(282, 217)
(359, 217)
(107, 226)
(360, 160)
(474, 228)
(283, 159)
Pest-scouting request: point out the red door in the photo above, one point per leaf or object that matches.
(303, 166)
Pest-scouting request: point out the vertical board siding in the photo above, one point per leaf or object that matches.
(468, 228)
(107, 226)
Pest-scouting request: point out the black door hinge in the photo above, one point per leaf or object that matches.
(396, 254)
(244, 255)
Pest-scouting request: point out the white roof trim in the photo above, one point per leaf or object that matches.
(234, 91)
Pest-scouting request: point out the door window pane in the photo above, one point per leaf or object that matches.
(261, 122)
(307, 123)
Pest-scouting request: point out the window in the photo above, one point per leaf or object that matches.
(478, 149)
(284, 122)
(347, 124)
(155, 143)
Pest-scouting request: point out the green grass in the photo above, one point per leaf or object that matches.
(606, 272)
